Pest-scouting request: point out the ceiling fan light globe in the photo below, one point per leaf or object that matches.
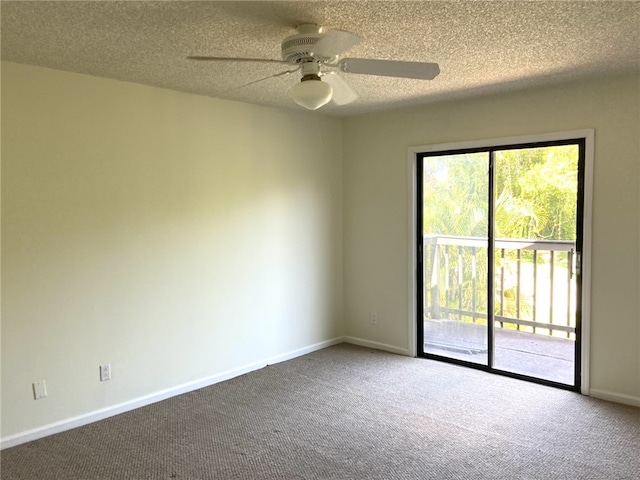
(312, 94)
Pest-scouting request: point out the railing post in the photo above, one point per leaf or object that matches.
(518, 287)
(446, 277)
(569, 276)
(460, 278)
(473, 283)
(551, 269)
(535, 286)
(435, 281)
(502, 285)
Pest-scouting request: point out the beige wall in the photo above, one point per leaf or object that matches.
(172, 235)
(376, 213)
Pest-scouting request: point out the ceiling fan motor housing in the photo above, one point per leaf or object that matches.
(299, 47)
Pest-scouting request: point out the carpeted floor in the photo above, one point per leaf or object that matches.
(350, 413)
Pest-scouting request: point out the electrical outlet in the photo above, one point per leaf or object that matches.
(374, 318)
(39, 390)
(105, 372)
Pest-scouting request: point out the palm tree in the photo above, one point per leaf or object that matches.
(535, 198)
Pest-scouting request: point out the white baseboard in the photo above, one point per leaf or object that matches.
(376, 345)
(615, 397)
(103, 413)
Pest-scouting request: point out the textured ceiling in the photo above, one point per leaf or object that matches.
(481, 47)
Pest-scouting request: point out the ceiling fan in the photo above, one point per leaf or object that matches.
(316, 54)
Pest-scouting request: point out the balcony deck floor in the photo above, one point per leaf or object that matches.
(540, 356)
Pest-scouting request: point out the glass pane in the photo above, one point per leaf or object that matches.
(455, 226)
(535, 228)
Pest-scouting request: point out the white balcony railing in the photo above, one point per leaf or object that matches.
(534, 283)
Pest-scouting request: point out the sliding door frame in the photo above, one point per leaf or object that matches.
(584, 221)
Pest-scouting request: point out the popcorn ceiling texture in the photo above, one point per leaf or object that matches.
(481, 47)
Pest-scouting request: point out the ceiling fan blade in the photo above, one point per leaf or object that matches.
(390, 68)
(342, 92)
(234, 59)
(280, 74)
(335, 42)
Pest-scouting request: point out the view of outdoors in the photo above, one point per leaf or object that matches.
(535, 199)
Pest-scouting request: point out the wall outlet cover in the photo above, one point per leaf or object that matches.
(39, 389)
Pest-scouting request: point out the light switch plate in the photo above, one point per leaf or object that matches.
(105, 372)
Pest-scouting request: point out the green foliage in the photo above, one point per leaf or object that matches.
(455, 190)
(535, 194)
(535, 199)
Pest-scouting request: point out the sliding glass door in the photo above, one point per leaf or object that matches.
(499, 264)
(455, 255)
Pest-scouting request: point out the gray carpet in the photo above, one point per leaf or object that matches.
(350, 413)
